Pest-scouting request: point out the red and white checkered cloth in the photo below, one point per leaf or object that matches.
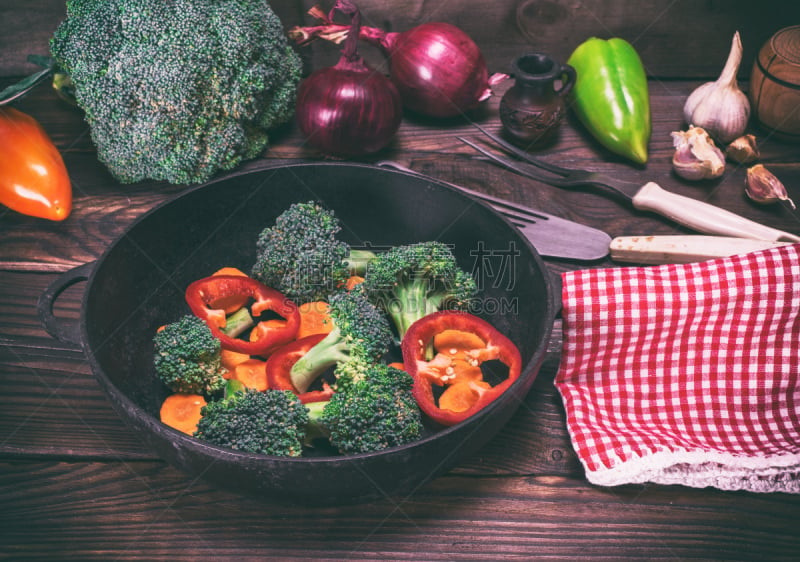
(686, 374)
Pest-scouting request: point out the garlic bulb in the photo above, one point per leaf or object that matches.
(762, 186)
(696, 156)
(720, 107)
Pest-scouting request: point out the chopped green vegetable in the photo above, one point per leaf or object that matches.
(360, 331)
(188, 357)
(301, 255)
(413, 280)
(371, 410)
(272, 422)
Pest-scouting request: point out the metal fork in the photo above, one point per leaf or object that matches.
(551, 236)
(561, 177)
(686, 211)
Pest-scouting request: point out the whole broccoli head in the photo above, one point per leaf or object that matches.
(360, 331)
(413, 280)
(300, 254)
(177, 90)
(374, 410)
(271, 422)
(187, 357)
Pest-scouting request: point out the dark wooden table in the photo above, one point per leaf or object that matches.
(76, 485)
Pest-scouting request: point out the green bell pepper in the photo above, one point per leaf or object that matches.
(610, 96)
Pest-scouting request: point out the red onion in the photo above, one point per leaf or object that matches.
(438, 70)
(348, 109)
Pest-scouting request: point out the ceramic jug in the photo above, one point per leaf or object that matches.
(531, 110)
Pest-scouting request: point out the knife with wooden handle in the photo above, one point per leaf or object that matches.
(692, 213)
(657, 250)
(701, 216)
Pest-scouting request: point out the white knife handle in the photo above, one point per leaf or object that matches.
(657, 250)
(703, 217)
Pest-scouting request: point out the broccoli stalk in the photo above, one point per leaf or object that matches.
(187, 357)
(333, 349)
(357, 261)
(359, 331)
(177, 90)
(238, 323)
(315, 428)
(413, 280)
(272, 422)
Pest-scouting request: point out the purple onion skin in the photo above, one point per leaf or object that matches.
(437, 68)
(345, 112)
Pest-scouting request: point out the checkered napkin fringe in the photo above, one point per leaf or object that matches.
(686, 374)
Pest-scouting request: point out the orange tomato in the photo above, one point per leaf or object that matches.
(33, 178)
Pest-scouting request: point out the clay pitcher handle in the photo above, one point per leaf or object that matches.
(568, 81)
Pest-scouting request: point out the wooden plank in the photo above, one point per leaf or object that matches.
(28, 26)
(26, 30)
(681, 39)
(52, 407)
(145, 510)
(49, 385)
(103, 208)
(75, 484)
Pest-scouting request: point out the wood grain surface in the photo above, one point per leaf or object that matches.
(678, 39)
(75, 484)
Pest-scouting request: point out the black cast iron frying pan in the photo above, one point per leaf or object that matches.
(138, 284)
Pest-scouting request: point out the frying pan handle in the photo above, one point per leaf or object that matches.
(68, 332)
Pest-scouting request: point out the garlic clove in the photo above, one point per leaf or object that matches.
(743, 150)
(720, 107)
(762, 186)
(696, 156)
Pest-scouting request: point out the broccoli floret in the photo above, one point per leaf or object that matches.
(272, 422)
(187, 357)
(413, 280)
(301, 255)
(177, 90)
(360, 331)
(374, 410)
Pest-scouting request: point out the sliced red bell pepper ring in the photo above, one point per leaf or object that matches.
(427, 373)
(203, 292)
(279, 366)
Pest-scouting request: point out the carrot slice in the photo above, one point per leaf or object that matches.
(460, 347)
(466, 369)
(182, 411)
(232, 358)
(398, 365)
(315, 318)
(233, 303)
(264, 326)
(460, 396)
(230, 271)
(252, 373)
(353, 281)
(457, 339)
